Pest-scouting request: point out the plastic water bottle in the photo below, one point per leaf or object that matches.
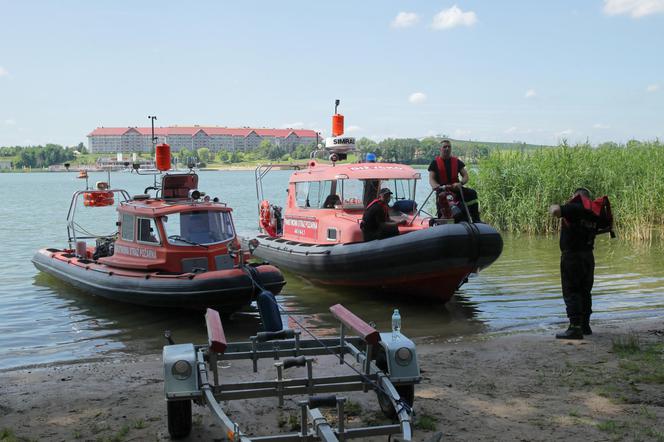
(396, 323)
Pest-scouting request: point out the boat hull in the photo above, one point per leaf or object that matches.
(430, 263)
(226, 290)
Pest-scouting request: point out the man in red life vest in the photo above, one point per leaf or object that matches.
(577, 262)
(444, 173)
(376, 222)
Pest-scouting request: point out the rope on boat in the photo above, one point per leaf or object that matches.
(401, 403)
(81, 229)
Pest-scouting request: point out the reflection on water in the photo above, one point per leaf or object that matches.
(43, 320)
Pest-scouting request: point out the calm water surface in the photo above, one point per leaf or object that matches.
(43, 320)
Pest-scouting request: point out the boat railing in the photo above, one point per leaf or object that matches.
(72, 227)
(262, 170)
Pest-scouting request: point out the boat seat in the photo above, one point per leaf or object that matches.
(405, 206)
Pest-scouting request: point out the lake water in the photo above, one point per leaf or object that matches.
(43, 320)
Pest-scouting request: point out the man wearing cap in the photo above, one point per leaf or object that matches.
(376, 222)
(444, 173)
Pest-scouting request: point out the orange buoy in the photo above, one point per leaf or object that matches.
(163, 156)
(98, 198)
(337, 125)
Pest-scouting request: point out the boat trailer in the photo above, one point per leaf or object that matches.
(383, 362)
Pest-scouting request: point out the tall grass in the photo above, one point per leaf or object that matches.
(516, 188)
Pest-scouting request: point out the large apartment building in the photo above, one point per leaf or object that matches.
(139, 139)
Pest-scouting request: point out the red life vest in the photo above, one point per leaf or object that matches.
(379, 201)
(601, 208)
(442, 171)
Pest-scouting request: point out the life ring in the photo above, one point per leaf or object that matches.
(267, 220)
(98, 198)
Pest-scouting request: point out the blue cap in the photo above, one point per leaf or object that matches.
(371, 157)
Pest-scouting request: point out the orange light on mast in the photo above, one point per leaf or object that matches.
(337, 125)
(337, 121)
(163, 157)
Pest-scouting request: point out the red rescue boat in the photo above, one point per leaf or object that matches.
(318, 234)
(177, 248)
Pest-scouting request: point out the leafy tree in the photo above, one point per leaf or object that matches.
(237, 157)
(184, 155)
(366, 145)
(302, 151)
(224, 156)
(43, 156)
(399, 150)
(203, 154)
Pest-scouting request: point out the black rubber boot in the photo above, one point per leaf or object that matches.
(474, 210)
(585, 326)
(572, 332)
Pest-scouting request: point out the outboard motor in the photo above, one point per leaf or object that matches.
(278, 219)
(449, 206)
(104, 247)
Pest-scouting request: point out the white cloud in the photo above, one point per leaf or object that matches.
(405, 20)
(10, 122)
(417, 98)
(564, 133)
(530, 93)
(351, 129)
(453, 17)
(511, 130)
(295, 125)
(634, 8)
(3, 72)
(652, 88)
(601, 126)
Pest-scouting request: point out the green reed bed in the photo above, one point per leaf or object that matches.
(516, 188)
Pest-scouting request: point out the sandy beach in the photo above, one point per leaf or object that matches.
(524, 387)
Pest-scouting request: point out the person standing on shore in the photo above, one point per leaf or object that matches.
(577, 261)
(444, 172)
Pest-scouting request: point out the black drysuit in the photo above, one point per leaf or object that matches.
(577, 262)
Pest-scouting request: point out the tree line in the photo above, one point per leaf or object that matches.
(40, 156)
(400, 150)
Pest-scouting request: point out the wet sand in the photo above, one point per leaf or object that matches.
(527, 387)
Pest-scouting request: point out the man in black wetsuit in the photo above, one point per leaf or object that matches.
(376, 222)
(444, 171)
(577, 262)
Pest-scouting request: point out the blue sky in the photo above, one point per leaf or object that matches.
(533, 71)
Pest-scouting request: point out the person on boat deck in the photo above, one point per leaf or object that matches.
(577, 262)
(331, 201)
(376, 222)
(444, 173)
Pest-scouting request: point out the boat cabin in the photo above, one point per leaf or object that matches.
(180, 230)
(325, 203)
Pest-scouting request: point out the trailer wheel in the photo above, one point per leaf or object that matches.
(179, 418)
(407, 392)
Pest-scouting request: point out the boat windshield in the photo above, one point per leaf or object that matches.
(198, 227)
(357, 194)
